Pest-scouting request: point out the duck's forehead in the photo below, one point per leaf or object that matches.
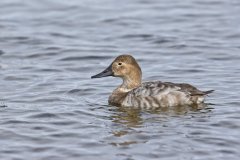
(125, 58)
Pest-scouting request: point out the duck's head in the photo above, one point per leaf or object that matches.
(126, 67)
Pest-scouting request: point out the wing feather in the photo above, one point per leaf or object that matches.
(154, 88)
(158, 87)
(163, 94)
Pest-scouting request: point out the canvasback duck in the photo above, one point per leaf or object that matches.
(133, 93)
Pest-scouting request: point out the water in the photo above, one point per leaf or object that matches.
(51, 109)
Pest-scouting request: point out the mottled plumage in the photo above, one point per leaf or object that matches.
(149, 94)
(163, 94)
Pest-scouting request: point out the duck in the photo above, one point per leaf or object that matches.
(149, 95)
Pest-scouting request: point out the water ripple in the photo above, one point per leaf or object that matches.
(51, 109)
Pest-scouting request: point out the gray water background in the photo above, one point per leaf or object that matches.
(51, 109)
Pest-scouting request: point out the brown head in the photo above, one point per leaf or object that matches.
(126, 67)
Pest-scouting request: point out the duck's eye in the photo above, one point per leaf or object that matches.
(119, 63)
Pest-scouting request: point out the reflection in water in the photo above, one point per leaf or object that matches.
(131, 120)
(130, 117)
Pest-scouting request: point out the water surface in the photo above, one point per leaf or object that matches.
(51, 109)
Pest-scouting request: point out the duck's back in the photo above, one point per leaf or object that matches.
(164, 94)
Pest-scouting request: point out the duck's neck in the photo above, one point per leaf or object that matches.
(130, 82)
(121, 92)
